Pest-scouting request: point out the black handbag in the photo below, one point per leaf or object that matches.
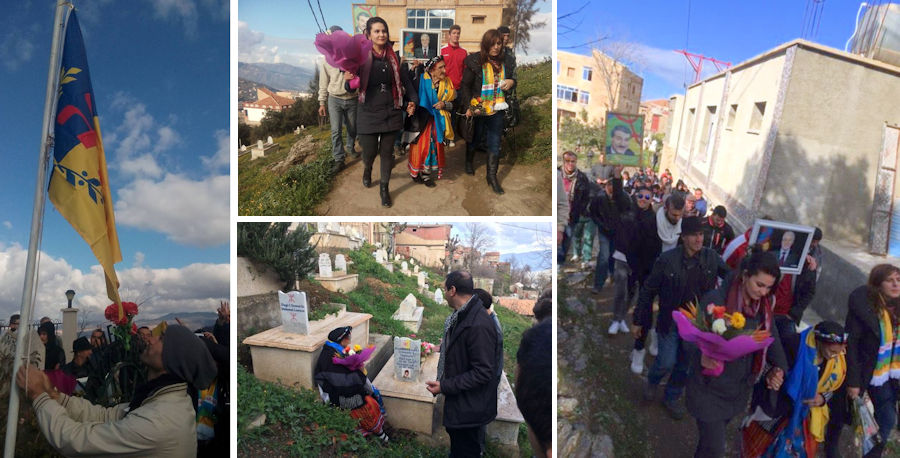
(512, 114)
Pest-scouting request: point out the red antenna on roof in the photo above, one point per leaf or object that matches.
(696, 61)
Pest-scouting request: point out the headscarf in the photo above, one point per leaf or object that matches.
(186, 357)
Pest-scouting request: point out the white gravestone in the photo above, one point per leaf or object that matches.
(421, 279)
(269, 140)
(333, 227)
(382, 255)
(259, 145)
(404, 267)
(340, 263)
(321, 227)
(294, 312)
(396, 257)
(407, 358)
(438, 296)
(416, 269)
(409, 314)
(324, 265)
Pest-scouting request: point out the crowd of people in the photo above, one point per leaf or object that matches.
(422, 104)
(666, 247)
(176, 397)
(469, 372)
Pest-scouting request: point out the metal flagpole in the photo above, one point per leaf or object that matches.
(37, 222)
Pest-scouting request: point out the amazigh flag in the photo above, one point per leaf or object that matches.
(79, 183)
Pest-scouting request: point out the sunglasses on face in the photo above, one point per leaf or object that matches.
(644, 196)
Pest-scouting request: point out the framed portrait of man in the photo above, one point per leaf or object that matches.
(788, 242)
(420, 44)
(361, 13)
(624, 133)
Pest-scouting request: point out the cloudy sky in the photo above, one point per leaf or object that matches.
(283, 31)
(161, 82)
(728, 31)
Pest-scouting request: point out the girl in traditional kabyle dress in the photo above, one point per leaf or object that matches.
(436, 96)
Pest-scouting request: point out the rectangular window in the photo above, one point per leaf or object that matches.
(480, 20)
(759, 110)
(584, 97)
(433, 19)
(732, 115)
(571, 94)
(586, 73)
(570, 72)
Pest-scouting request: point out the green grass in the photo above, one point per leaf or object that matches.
(534, 79)
(533, 137)
(264, 193)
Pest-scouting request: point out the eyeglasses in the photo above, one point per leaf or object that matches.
(644, 196)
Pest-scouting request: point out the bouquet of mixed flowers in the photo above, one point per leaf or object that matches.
(344, 51)
(354, 357)
(721, 336)
(427, 349)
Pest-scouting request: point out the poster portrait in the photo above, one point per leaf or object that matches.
(420, 44)
(788, 242)
(361, 13)
(624, 133)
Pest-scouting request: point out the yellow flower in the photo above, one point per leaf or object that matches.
(738, 321)
(357, 348)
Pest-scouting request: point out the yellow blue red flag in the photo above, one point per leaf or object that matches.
(79, 183)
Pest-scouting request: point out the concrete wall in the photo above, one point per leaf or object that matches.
(831, 129)
(255, 279)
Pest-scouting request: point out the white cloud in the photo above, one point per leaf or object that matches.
(184, 10)
(541, 44)
(138, 259)
(7, 224)
(138, 142)
(192, 212)
(248, 38)
(257, 47)
(167, 138)
(16, 49)
(221, 157)
(191, 288)
(144, 164)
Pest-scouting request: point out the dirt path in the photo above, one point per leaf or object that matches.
(597, 390)
(528, 190)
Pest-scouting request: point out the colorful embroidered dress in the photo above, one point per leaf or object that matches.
(426, 156)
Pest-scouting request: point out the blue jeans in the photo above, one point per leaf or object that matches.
(492, 129)
(884, 399)
(671, 358)
(601, 270)
(340, 112)
(564, 247)
(584, 238)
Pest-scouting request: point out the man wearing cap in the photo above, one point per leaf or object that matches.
(716, 232)
(466, 372)
(680, 275)
(160, 419)
(341, 110)
(79, 366)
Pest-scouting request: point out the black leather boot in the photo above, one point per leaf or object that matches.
(367, 161)
(470, 156)
(385, 196)
(492, 165)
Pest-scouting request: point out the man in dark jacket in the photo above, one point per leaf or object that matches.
(680, 275)
(604, 209)
(716, 232)
(578, 189)
(465, 372)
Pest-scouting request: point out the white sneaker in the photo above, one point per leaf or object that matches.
(654, 345)
(637, 361)
(613, 328)
(574, 258)
(452, 143)
(623, 327)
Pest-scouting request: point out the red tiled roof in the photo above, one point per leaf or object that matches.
(520, 306)
(273, 99)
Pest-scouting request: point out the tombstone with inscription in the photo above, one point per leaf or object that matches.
(294, 312)
(325, 265)
(407, 359)
(409, 314)
(340, 263)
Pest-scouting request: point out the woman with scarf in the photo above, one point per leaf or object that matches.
(379, 115)
(488, 75)
(55, 356)
(714, 401)
(436, 96)
(347, 388)
(873, 354)
(791, 422)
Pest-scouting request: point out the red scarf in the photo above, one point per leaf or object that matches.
(396, 87)
(735, 302)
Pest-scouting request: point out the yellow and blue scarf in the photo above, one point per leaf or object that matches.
(887, 364)
(492, 98)
(429, 95)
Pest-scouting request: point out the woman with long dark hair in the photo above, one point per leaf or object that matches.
(873, 354)
(55, 357)
(383, 87)
(714, 401)
(488, 76)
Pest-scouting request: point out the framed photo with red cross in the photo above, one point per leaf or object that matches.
(624, 140)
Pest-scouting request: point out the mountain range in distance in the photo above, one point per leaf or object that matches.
(284, 77)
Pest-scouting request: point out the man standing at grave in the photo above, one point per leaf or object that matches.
(341, 110)
(680, 275)
(465, 373)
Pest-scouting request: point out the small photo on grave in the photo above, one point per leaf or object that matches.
(400, 325)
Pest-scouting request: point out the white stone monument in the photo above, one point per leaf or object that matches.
(407, 362)
(421, 279)
(438, 296)
(404, 267)
(340, 263)
(269, 140)
(321, 227)
(294, 312)
(416, 269)
(409, 314)
(324, 265)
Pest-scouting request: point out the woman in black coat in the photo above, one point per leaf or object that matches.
(55, 357)
(379, 114)
(714, 401)
(490, 117)
(867, 307)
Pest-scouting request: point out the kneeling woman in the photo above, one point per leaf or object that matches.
(488, 75)
(348, 388)
(436, 96)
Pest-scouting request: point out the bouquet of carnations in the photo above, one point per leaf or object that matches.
(427, 349)
(125, 327)
(354, 357)
(721, 336)
(344, 51)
